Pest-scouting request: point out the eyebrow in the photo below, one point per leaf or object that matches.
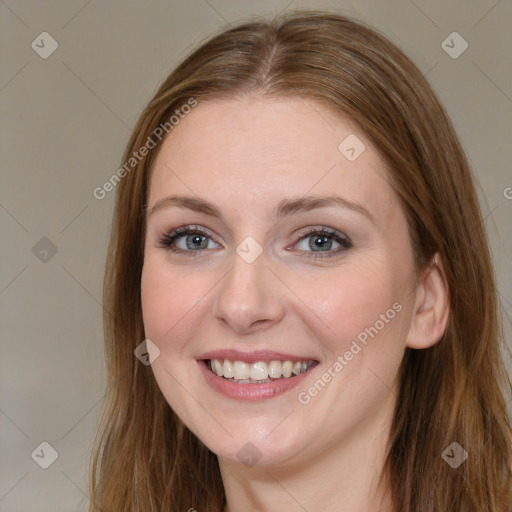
(284, 208)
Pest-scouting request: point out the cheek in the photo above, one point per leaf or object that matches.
(364, 308)
(167, 298)
(355, 299)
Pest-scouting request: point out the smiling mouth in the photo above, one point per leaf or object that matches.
(260, 372)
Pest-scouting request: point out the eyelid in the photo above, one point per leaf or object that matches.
(322, 229)
(339, 237)
(167, 239)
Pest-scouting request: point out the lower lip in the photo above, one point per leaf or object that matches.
(251, 392)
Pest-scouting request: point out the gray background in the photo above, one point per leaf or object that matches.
(65, 122)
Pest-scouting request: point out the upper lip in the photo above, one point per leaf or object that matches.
(252, 357)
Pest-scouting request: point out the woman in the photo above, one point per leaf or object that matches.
(298, 242)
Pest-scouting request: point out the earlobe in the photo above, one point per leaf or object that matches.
(431, 309)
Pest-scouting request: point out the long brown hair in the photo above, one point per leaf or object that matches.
(146, 459)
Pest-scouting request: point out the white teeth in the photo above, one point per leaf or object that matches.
(241, 370)
(218, 368)
(287, 368)
(258, 372)
(227, 368)
(275, 369)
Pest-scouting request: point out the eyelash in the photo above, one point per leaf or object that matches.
(167, 239)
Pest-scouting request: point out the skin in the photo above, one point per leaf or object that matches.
(245, 156)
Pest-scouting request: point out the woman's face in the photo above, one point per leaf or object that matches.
(275, 280)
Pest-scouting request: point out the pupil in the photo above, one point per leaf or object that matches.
(321, 241)
(196, 240)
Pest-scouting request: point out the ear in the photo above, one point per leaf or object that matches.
(431, 308)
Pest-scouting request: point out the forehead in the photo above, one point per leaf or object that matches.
(263, 150)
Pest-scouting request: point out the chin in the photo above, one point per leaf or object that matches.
(250, 449)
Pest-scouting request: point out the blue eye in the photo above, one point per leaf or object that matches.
(323, 239)
(197, 239)
(194, 240)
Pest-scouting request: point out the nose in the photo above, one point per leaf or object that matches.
(250, 297)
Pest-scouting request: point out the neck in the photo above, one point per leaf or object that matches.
(344, 477)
